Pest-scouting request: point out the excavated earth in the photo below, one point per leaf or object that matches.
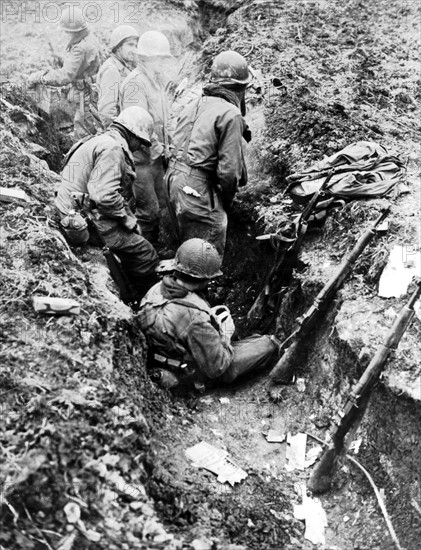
(82, 422)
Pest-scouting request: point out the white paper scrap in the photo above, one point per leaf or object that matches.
(311, 511)
(275, 437)
(296, 452)
(204, 455)
(312, 455)
(404, 263)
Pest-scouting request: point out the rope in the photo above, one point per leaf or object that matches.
(376, 492)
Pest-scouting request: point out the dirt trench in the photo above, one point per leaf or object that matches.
(84, 423)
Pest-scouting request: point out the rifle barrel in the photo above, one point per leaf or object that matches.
(284, 368)
(359, 397)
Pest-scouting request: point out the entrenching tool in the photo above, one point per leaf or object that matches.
(357, 402)
(284, 369)
(279, 276)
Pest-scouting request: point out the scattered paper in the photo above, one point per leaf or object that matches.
(217, 461)
(311, 511)
(312, 455)
(296, 452)
(404, 263)
(355, 445)
(301, 385)
(224, 400)
(275, 437)
(13, 194)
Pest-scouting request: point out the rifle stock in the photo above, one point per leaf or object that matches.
(358, 399)
(283, 371)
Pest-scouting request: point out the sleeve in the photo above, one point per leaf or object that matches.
(69, 71)
(230, 157)
(133, 94)
(108, 89)
(211, 353)
(104, 183)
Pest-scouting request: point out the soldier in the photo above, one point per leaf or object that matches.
(146, 87)
(103, 167)
(123, 45)
(190, 342)
(79, 68)
(207, 164)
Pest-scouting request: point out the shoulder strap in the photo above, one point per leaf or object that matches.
(75, 148)
(187, 137)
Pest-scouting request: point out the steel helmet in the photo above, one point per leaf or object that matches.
(230, 68)
(72, 19)
(154, 43)
(121, 33)
(198, 259)
(137, 121)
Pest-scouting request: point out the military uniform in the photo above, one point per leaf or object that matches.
(147, 90)
(80, 66)
(103, 167)
(207, 166)
(109, 80)
(179, 325)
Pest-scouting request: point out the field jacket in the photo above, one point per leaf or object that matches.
(179, 325)
(103, 167)
(209, 136)
(109, 80)
(146, 90)
(80, 64)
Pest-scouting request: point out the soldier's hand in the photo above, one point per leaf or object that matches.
(130, 223)
(34, 79)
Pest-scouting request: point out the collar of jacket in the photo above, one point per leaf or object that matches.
(171, 290)
(77, 37)
(214, 90)
(117, 134)
(120, 63)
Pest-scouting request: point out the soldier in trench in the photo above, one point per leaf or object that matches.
(146, 87)
(190, 342)
(123, 46)
(207, 164)
(102, 168)
(80, 66)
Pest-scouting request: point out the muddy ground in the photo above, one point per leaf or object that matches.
(81, 421)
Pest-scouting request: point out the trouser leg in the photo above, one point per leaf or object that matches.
(199, 213)
(138, 257)
(85, 124)
(251, 354)
(148, 190)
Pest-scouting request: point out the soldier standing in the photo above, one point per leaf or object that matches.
(146, 87)
(207, 164)
(80, 65)
(123, 45)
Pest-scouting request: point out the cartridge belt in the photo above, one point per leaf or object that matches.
(191, 171)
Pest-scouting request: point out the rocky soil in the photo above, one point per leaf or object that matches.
(84, 430)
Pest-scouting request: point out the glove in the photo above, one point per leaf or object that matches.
(226, 324)
(35, 78)
(130, 223)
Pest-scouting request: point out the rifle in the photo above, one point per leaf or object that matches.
(359, 397)
(279, 276)
(285, 367)
(127, 292)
